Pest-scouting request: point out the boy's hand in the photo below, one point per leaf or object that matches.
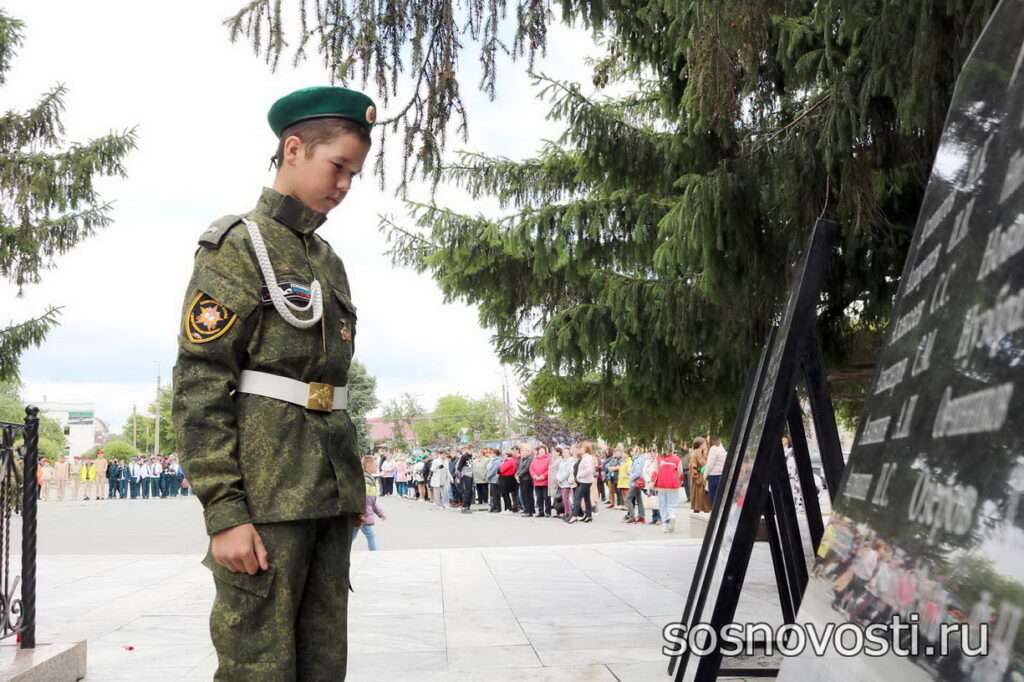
(240, 550)
(382, 517)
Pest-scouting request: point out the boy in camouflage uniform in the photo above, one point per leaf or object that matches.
(260, 403)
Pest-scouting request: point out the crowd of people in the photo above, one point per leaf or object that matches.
(97, 478)
(568, 482)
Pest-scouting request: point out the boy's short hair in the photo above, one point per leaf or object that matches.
(368, 458)
(317, 131)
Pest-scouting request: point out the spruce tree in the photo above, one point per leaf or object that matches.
(48, 203)
(415, 44)
(640, 260)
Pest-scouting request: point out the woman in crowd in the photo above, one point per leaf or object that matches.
(417, 480)
(623, 467)
(585, 473)
(611, 477)
(539, 468)
(402, 476)
(494, 482)
(387, 475)
(440, 480)
(524, 481)
(454, 486)
(465, 469)
(426, 472)
(567, 483)
(507, 481)
(480, 463)
(699, 500)
(666, 484)
(635, 500)
(650, 466)
(554, 492)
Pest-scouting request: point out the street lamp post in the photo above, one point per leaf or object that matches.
(156, 411)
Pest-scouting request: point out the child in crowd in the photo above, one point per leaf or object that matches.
(373, 510)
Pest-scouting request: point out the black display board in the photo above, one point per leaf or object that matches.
(755, 482)
(928, 521)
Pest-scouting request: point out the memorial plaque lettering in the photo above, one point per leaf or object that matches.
(927, 527)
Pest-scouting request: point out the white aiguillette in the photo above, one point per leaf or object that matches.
(277, 297)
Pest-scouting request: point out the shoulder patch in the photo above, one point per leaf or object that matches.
(214, 235)
(207, 320)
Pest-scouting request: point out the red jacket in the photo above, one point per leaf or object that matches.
(667, 472)
(539, 469)
(508, 467)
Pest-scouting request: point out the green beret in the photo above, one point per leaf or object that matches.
(322, 102)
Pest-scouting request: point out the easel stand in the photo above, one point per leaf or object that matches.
(756, 482)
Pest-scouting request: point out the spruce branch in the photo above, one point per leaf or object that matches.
(15, 339)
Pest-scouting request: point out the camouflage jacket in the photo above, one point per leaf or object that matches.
(251, 458)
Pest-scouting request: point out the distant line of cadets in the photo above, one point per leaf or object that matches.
(97, 478)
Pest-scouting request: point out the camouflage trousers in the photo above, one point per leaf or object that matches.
(289, 622)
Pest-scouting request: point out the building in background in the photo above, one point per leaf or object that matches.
(382, 432)
(82, 430)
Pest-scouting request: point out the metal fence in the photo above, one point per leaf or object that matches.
(19, 494)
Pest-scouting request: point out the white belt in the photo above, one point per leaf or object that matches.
(312, 396)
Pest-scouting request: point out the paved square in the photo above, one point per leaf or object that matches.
(589, 608)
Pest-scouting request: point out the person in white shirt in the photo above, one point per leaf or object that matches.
(134, 477)
(440, 479)
(716, 465)
(151, 478)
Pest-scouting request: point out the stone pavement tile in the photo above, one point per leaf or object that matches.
(483, 629)
(161, 630)
(610, 637)
(759, 606)
(474, 658)
(463, 558)
(414, 632)
(587, 673)
(468, 584)
(109, 660)
(395, 665)
(603, 656)
(472, 595)
(532, 609)
(626, 582)
(149, 674)
(534, 605)
(646, 671)
(86, 623)
(395, 602)
(532, 578)
(550, 623)
(652, 601)
(414, 564)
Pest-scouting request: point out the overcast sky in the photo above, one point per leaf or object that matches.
(199, 104)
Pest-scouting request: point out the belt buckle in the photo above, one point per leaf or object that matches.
(320, 398)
